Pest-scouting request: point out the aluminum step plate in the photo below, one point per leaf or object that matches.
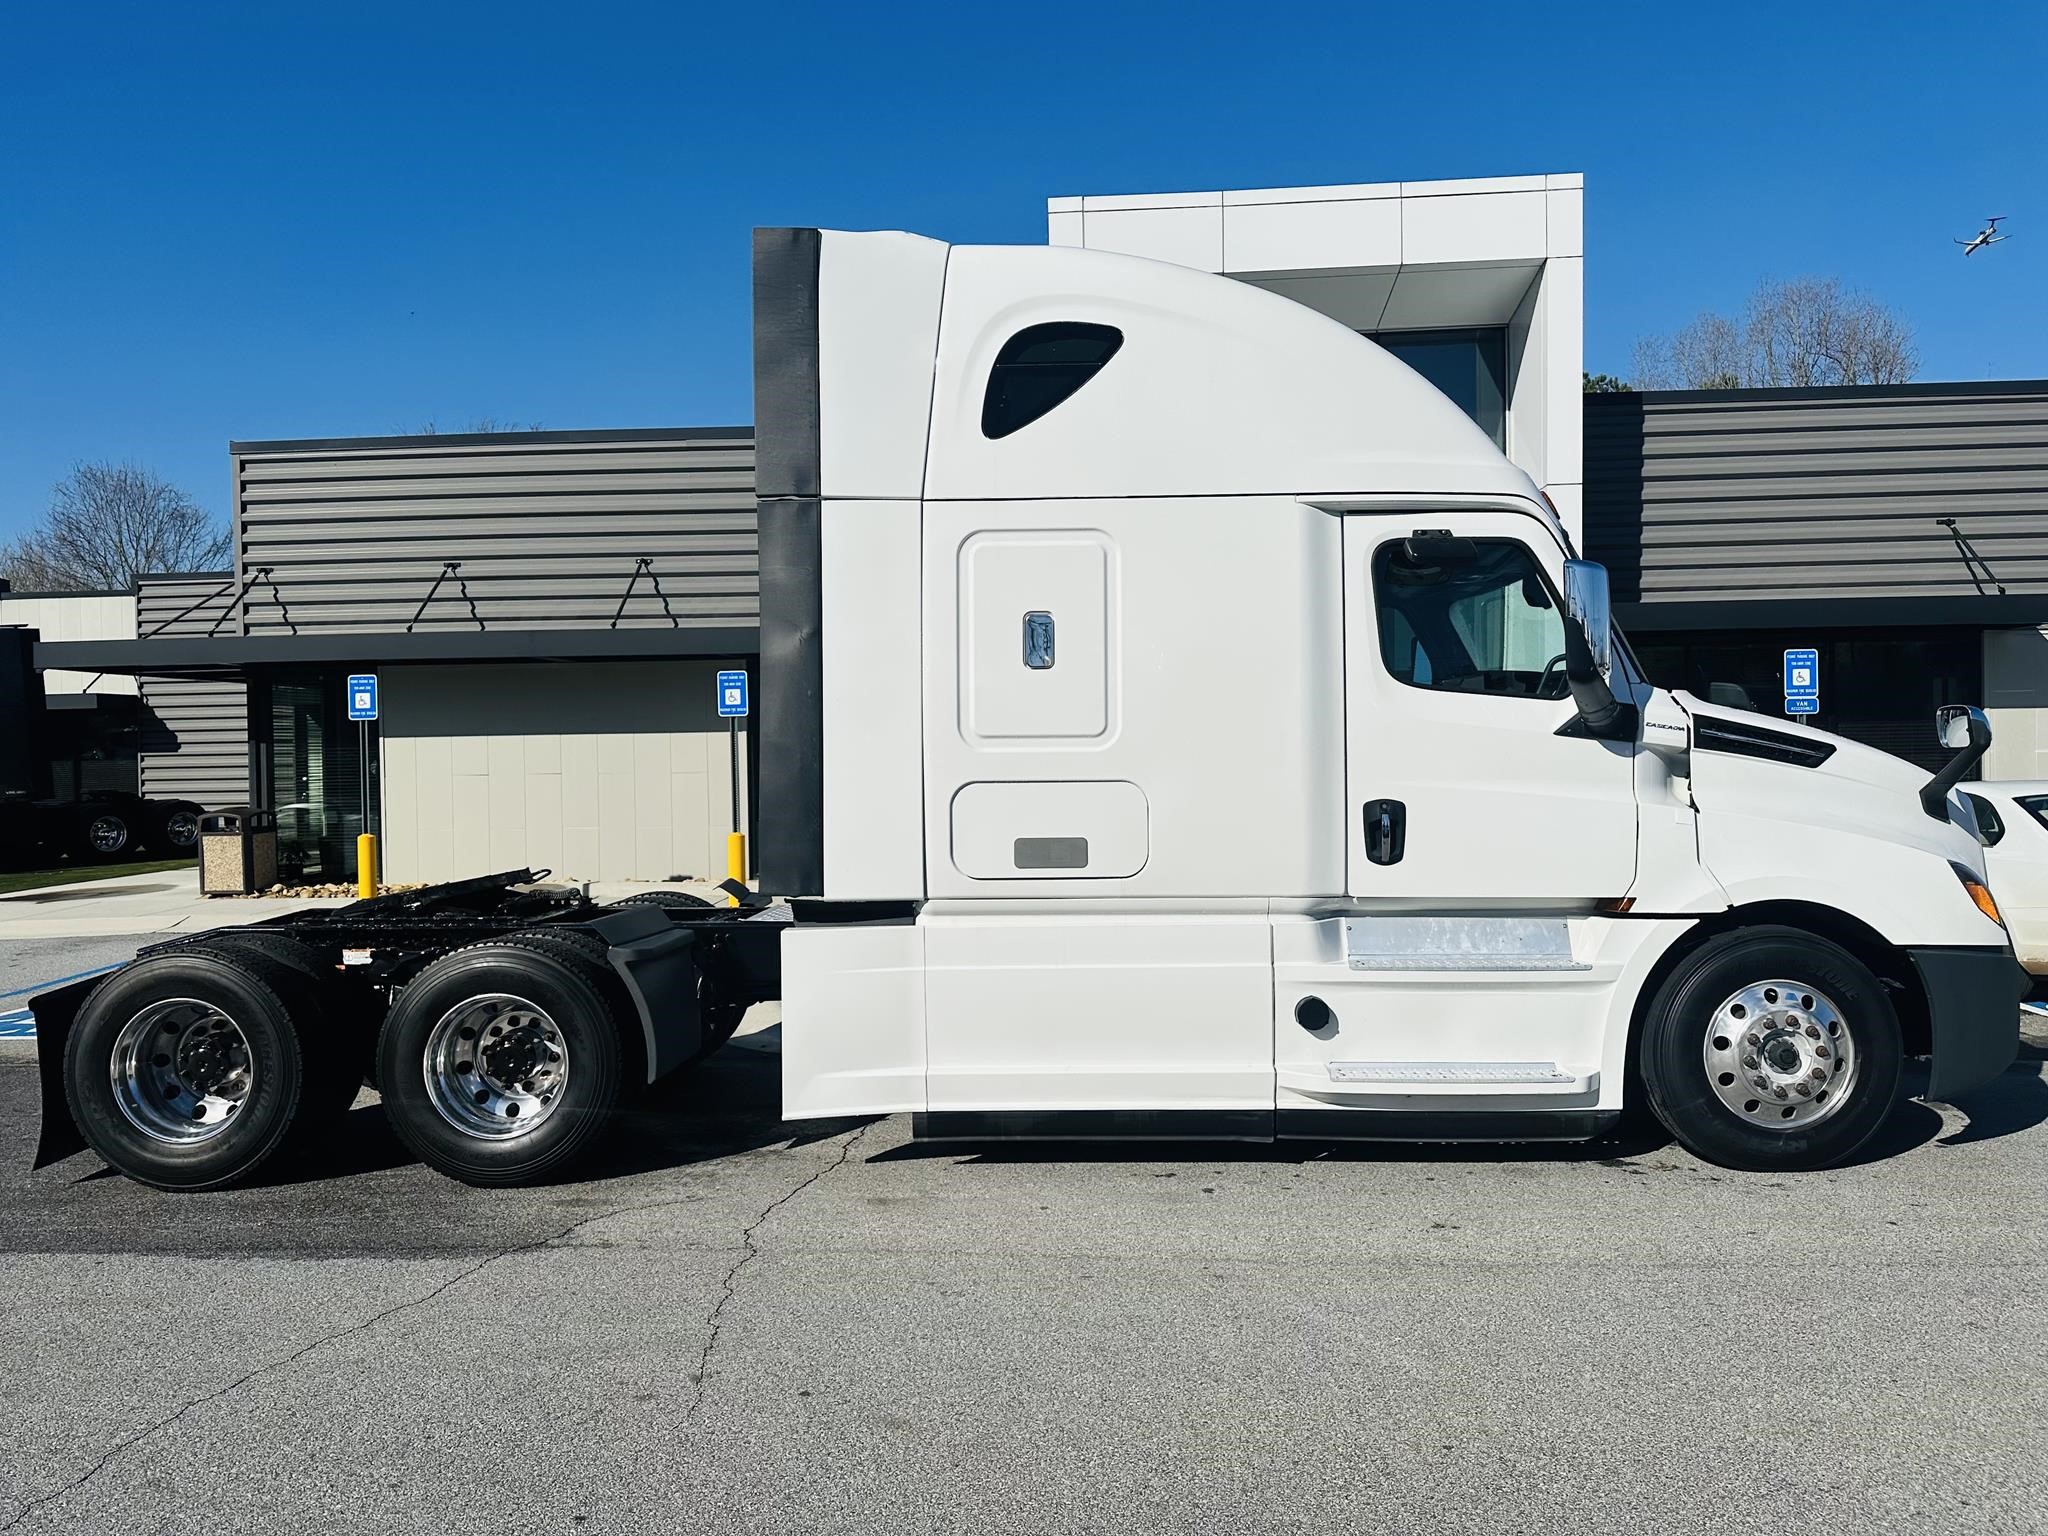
(1459, 944)
(1483, 1072)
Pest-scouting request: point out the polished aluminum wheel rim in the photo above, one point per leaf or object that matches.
(182, 830)
(180, 1071)
(496, 1066)
(1780, 1057)
(107, 834)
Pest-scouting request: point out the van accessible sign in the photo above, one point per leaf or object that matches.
(1802, 682)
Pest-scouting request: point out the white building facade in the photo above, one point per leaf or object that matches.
(1477, 284)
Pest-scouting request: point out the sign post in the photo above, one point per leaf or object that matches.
(1802, 682)
(362, 708)
(733, 704)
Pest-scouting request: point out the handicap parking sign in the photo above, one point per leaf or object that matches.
(732, 693)
(1802, 682)
(362, 696)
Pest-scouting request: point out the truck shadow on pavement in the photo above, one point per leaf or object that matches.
(2017, 1102)
(727, 1105)
(730, 1105)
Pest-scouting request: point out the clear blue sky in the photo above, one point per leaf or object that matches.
(282, 220)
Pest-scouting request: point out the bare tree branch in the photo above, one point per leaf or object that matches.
(1797, 334)
(106, 525)
(480, 425)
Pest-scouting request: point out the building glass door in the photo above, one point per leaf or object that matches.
(317, 767)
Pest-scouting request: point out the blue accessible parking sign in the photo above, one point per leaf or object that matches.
(1802, 682)
(732, 693)
(362, 696)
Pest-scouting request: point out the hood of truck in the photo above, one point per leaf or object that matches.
(1776, 770)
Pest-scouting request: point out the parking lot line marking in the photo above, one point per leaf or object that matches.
(44, 986)
(19, 1025)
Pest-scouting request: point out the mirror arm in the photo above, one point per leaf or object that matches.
(1607, 718)
(1934, 793)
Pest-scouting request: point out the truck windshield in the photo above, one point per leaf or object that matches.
(1488, 623)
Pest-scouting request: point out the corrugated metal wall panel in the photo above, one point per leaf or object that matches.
(1750, 494)
(197, 743)
(547, 527)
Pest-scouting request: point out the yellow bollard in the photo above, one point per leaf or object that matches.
(366, 864)
(735, 861)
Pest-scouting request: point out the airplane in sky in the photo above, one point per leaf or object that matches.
(1988, 235)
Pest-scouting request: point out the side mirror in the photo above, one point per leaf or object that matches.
(1585, 596)
(1968, 729)
(1952, 723)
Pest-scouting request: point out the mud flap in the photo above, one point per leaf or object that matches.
(657, 961)
(54, 1013)
(1973, 1011)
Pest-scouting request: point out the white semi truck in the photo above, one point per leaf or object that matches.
(1178, 719)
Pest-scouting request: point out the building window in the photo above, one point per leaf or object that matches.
(1469, 366)
(1039, 368)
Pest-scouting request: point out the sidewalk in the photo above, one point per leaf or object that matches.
(169, 902)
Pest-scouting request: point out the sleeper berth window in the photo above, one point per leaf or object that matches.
(1040, 368)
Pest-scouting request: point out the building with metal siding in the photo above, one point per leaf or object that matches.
(546, 612)
(546, 530)
(195, 742)
(1901, 530)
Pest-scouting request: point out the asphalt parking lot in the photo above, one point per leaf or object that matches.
(721, 1328)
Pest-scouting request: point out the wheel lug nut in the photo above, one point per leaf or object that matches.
(1818, 1075)
(1822, 1052)
(1749, 1062)
(1805, 1091)
(1752, 1039)
(1813, 1031)
(1781, 1093)
(1761, 1081)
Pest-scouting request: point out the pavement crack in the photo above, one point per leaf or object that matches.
(750, 1251)
(284, 1362)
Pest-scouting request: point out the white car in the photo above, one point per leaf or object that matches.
(2012, 823)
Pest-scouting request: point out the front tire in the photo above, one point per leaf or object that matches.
(1769, 1049)
(502, 1063)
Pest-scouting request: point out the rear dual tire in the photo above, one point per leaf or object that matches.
(190, 1070)
(502, 1063)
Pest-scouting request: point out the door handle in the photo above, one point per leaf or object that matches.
(1386, 831)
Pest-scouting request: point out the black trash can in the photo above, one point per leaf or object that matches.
(237, 851)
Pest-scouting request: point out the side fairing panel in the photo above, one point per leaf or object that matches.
(878, 327)
(845, 330)
(853, 1028)
(874, 773)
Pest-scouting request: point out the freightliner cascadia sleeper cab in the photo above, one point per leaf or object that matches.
(1179, 718)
